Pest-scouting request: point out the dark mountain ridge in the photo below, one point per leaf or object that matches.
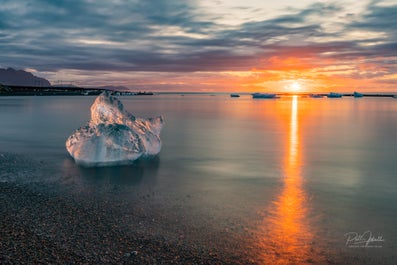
(14, 77)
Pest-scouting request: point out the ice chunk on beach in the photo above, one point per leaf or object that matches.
(114, 136)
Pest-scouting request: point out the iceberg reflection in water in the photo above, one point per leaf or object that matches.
(143, 172)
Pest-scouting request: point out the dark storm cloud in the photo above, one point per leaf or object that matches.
(379, 18)
(134, 36)
(42, 33)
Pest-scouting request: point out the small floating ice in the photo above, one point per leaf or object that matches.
(316, 95)
(264, 95)
(334, 95)
(357, 94)
(114, 136)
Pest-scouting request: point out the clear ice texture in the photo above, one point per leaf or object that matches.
(114, 136)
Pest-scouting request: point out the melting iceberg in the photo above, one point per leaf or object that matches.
(114, 136)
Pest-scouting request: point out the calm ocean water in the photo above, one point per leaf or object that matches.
(294, 180)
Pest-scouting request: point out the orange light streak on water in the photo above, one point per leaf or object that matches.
(286, 235)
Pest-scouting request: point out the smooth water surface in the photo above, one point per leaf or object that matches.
(288, 178)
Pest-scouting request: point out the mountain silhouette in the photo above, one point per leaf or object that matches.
(14, 77)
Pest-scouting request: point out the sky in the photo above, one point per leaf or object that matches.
(205, 45)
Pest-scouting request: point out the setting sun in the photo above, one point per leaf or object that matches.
(293, 86)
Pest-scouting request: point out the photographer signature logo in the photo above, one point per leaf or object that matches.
(364, 240)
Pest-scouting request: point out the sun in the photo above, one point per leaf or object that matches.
(293, 86)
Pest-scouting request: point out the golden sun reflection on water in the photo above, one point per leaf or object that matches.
(286, 233)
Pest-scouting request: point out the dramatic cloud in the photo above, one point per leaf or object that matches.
(192, 45)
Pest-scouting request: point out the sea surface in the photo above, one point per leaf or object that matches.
(292, 180)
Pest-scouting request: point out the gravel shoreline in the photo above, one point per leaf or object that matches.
(57, 222)
(39, 227)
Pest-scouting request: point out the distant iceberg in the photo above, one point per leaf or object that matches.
(334, 95)
(264, 95)
(357, 94)
(114, 136)
(316, 95)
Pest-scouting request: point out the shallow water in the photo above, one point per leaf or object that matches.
(288, 178)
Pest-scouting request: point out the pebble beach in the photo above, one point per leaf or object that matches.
(41, 223)
(45, 228)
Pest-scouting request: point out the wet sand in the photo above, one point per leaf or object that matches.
(47, 221)
(39, 227)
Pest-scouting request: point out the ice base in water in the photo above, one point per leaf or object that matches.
(114, 136)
